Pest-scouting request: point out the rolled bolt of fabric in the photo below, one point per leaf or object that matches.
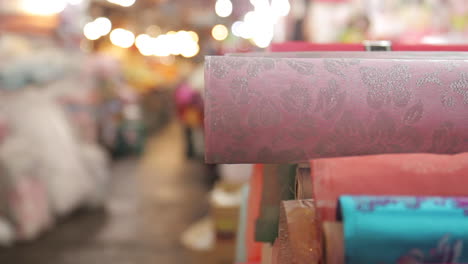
(299, 240)
(253, 248)
(405, 229)
(278, 185)
(241, 249)
(333, 242)
(406, 174)
(292, 109)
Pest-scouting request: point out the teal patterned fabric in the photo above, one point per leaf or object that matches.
(405, 230)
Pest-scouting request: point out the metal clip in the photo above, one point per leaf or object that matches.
(377, 45)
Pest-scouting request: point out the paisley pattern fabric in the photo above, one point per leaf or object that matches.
(277, 109)
(405, 230)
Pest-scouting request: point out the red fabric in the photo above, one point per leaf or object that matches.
(254, 249)
(426, 47)
(407, 174)
(307, 46)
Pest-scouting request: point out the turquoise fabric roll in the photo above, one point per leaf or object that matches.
(405, 230)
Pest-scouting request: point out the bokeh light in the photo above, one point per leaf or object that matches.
(259, 24)
(122, 38)
(236, 28)
(140, 40)
(91, 32)
(219, 32)
(194, 36)
(43, 7)
(280, 7)
(99, 27)
(263, 39)
(104, 25)
(162, 46)
(124, 3)
(223, 8)
(190, 50)
(144, 44)
(75, 2)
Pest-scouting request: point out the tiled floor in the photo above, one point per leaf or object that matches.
(152, 200)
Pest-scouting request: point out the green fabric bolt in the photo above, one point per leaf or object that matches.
(278, 185)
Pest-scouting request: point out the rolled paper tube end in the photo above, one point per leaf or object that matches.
(303, 183)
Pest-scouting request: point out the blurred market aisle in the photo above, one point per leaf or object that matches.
(152, 201)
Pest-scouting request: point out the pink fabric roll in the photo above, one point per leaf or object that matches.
(278, 110)
(408, 174)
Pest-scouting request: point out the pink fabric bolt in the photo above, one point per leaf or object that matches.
(408, 174)
(278, 110)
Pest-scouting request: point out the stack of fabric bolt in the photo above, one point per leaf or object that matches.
(332, 108)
